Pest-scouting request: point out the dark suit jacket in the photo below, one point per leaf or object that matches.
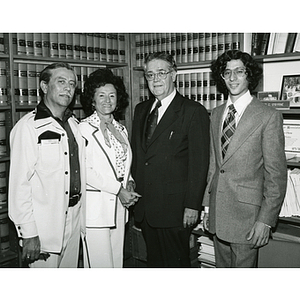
(249, 184)
(171, 173)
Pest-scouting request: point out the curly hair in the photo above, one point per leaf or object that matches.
(253, 70)
(100, 78)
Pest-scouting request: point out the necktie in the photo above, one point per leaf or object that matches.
(228, 128)
(152, 122)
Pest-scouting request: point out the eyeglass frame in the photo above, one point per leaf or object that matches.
(234, 71)
(162, 76)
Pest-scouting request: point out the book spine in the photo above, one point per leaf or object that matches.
(69, 45)
(23, 85)
(208, 44)
(221, 43)
(109, 47)
(45, 44)
(96, 43)
(214, 46)
(83, 46)
(21, 44)
(201, 46)
(122, 46)
(178, 47)
(168, 43)
(37, 44)
(76, 46)
(90, 46)
(187, 85)
(290, 42)
(196, 47)
(61, 37)
(190, 47)
(138, 50)
(53, 45)
(3, 84)
(29, 44)
(264, 44)
(31, 82)
(16, 84)
(228, 41)
(3, 149)
(200, 88)
(194, 86)
(184, 58)
(212, 92)
(103, 52)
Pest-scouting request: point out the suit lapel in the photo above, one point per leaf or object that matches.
(169, 117)
(108, 152)
(144, 116)
(251, 119)
(217, 130)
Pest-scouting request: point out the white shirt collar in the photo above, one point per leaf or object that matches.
(240, 104)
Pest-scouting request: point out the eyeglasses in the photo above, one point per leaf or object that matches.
(238, 72)
(160, 75)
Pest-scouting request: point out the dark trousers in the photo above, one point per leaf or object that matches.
(167, 247)
(231, 255)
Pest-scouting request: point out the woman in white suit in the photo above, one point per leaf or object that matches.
(110, 188)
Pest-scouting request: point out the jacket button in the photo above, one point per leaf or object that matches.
(222, 171)
(146, 164)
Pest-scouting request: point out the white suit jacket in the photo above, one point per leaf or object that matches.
(102, 182)
(39, 179)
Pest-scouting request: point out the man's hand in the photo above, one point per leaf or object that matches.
(190, 217)
(259, 235)
(31, 249)
(206, 221)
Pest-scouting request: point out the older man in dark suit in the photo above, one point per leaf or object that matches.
(170, 143)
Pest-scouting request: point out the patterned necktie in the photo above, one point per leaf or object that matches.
(228, 129)
(152, 122)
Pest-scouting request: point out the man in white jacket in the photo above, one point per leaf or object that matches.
(47, 175)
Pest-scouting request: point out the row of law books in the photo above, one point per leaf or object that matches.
(103, 47)
(291, 203)
(185, 47)
(206, 253)
(27, 82)
(274, 43)
(196, 86)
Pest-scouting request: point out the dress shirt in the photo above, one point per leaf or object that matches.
(164, 104)
(240, 105)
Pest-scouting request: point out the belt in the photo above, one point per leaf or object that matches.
(74, 200)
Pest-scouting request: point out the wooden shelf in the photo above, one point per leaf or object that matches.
(73, 62)
(293, 220)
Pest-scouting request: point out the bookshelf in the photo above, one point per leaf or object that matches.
(22, 57)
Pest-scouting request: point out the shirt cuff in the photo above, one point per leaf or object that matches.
(206, 209)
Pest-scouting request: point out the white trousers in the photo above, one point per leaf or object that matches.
(68, 257)
(103, 247)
